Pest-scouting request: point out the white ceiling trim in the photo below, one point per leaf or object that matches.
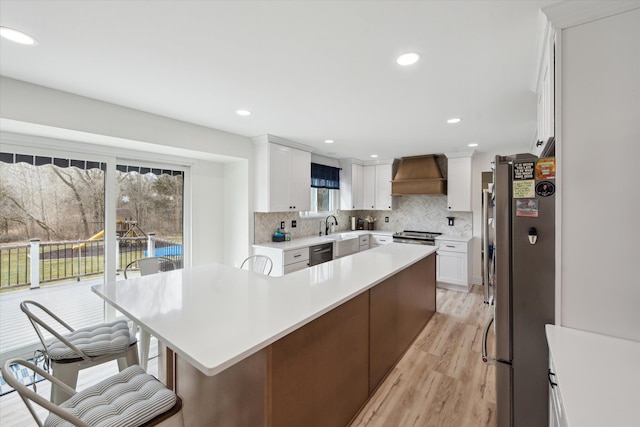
(571, 13)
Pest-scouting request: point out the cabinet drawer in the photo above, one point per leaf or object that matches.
(295, 267)
(296, 255)
(451, 246)
(381, 239)
(364, 240)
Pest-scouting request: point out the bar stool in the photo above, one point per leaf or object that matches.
(130, 398)
(258, 263)
(146, 266)
(81, 348)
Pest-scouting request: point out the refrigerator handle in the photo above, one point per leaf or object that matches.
(491, 289)
(485, 335)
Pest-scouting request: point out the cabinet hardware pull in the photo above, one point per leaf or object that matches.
(296, 256)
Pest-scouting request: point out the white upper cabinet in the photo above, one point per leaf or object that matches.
(377, 187)
(282, 177)
(369, 187)
(351, 185)
(300, 184)
(545, 87)
(383, 187)
(459, 182)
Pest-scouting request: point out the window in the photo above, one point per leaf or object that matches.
(325, 190)
(324, 201)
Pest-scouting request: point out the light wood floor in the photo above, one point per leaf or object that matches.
(441, 380)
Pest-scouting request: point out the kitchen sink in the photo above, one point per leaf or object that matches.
(344, 244)
(344, 236)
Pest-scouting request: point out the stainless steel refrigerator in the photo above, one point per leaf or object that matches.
(524, 287)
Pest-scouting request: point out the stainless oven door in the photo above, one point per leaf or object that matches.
(413, 241)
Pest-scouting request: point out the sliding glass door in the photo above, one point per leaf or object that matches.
(149, 213)
(71, 220)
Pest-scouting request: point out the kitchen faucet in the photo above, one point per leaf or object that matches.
(326, 223)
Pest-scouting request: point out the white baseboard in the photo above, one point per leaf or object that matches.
(453, 287)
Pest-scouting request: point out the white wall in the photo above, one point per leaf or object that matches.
(237, 236)
(25, 102)
(599, 150)
(218, 190)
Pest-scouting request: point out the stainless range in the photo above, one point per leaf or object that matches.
(416, 237)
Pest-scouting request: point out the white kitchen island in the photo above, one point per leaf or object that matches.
(260, 350)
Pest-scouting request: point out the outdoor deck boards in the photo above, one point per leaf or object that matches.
(73, 302)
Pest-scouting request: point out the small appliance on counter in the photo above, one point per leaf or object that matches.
(360, 224)
(278, 236)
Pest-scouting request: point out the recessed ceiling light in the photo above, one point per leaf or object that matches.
(328, 141)
(374, 155)
(243, 112)
(16, 36)
(454, 120)
(408, 58)
(473, 144)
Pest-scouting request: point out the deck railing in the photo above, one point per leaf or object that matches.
(72, 260)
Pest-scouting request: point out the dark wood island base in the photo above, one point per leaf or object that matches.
(323, 373)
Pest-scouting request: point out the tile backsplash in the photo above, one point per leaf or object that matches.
(423, 213)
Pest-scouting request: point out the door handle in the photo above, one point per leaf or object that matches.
(485, 335)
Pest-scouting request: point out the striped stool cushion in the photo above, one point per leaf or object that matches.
(129, 398)
(98, 340)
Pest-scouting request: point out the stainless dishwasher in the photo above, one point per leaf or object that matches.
(320, 253)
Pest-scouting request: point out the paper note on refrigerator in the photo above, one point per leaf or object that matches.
(524, 189)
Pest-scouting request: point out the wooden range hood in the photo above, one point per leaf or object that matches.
(418, 175)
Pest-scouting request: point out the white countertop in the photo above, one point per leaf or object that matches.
(216, 315)
(302, 242)
(598, 377)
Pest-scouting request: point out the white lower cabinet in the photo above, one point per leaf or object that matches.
(364, 242)
(284, 261)
(452, 265)
(380, 239)
(295, 259)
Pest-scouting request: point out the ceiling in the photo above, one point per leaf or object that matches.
(307, 70)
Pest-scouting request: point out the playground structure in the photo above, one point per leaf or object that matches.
(126, 228)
